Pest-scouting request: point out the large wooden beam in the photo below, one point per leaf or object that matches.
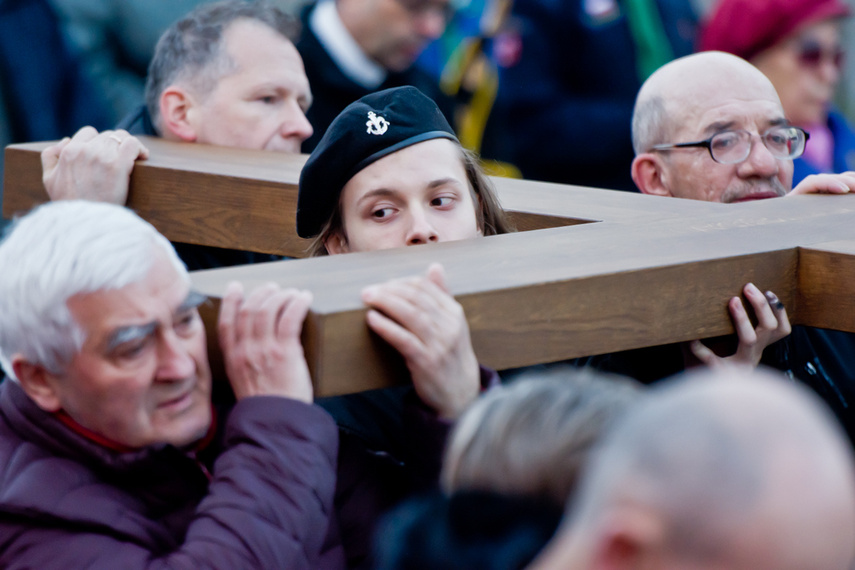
(247, 199)
(825, 293)
(559, 293)
(192, 193)
(647, 271)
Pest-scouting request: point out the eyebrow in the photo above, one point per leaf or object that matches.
(121, 335)
(377, 192)
(387, 192)
(720, 126)
(443, 182)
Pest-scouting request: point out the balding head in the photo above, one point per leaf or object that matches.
(691, 99)
(716, 472)
(687, 87)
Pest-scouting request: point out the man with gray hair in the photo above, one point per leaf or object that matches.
(108, 439)
(227, 74)
(724, 470)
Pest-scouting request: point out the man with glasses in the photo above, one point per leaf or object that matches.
(798, 45)
(351, 48)
(697, 130)
(710, 126)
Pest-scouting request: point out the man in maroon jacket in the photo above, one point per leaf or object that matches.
(110, 453)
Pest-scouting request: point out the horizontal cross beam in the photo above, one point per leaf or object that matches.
(554, 294)
(247, 199)
(648, 271)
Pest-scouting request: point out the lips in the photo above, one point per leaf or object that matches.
(757, 196)
(178, 403)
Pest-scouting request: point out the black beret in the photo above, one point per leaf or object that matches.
(366, 131)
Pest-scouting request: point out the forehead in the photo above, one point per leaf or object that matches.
(424, 161)
(412, 5)
(828, 30)
(257, 49)
(711, 112)
(153, 298)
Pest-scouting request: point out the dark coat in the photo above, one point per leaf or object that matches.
(68, 502)
(567, 86)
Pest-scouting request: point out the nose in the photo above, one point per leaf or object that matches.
(829, 71)
(294, 124)
(760, 162)
(174, 361)
(421, 230)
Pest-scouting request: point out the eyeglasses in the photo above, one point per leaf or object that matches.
(812, 54)
(731, 147)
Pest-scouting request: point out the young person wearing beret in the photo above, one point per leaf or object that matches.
(389, 172)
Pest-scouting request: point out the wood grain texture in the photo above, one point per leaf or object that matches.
(247, 199)
(608, 271)
(825, 292)
(559, 293)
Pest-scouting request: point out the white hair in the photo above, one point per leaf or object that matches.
(533, 436)
(59, 250)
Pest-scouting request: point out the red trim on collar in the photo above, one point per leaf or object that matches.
(208, 437)
(71, 424)
(99, 439)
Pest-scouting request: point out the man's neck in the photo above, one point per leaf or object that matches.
(342, 47)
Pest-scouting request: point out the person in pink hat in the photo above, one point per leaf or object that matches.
(797, 45)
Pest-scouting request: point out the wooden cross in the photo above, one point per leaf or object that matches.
(631, 271)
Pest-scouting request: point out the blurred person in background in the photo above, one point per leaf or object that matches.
(723, 469)
(512, 461)
(115, 41)
(43, 92)
(351, 48)
(569, 72)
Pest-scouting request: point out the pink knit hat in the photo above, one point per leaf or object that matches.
(747, 27)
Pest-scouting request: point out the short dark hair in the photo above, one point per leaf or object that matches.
(191, 49)
(491, 217)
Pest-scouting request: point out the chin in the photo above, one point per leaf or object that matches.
(190, 434)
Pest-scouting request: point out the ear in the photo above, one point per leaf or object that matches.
(630, 539)
(177, 109)
(37, 382)
(336, 243)
(650, 175)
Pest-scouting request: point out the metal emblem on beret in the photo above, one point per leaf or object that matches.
(376, 125)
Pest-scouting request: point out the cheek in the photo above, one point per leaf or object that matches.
(114, 402)
(785, 174)
(469, 224)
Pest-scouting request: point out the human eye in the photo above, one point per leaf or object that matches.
(442, 201)
(185, 322)
(382, 213)
(131, 349)
(724, 141)
(781, 138)
(267, 99)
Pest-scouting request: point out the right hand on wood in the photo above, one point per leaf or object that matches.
(773, 324)
(91, 166)
(260, 340)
